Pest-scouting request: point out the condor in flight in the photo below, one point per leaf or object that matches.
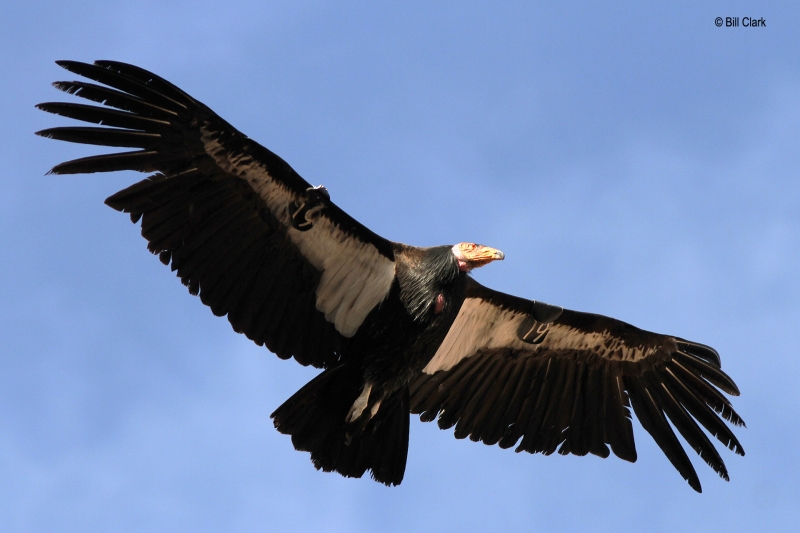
(396, 329)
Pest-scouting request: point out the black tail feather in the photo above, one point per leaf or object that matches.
(315, 418)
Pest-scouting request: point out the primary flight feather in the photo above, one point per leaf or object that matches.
(397, 329)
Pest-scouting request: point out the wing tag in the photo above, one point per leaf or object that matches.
(532, 332)
(545, 313)
(534, 328)
(304, 215)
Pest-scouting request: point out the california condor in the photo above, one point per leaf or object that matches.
(396, 329)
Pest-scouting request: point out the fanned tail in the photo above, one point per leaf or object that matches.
(315, 417)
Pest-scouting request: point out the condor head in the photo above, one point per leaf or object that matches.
(471, 255)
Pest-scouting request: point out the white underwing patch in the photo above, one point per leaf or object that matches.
(356, 277)
(483, 325)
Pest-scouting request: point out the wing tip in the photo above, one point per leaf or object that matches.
(702, 351)
(67, 63)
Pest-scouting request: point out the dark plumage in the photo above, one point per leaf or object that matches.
(395, 328)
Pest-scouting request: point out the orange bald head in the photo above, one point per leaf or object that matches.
(471, 255)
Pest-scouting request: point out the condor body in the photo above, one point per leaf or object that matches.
(396, 329)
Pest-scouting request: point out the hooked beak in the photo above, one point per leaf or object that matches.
(471, 255)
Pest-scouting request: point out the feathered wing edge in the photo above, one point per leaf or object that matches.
(217, 209)
(544, 397)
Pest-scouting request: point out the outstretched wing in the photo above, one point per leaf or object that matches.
(512, 369)
(239, 225)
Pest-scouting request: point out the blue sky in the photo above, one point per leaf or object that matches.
(632, 160)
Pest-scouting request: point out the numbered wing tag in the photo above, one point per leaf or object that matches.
(534, 328)
(303, 215)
